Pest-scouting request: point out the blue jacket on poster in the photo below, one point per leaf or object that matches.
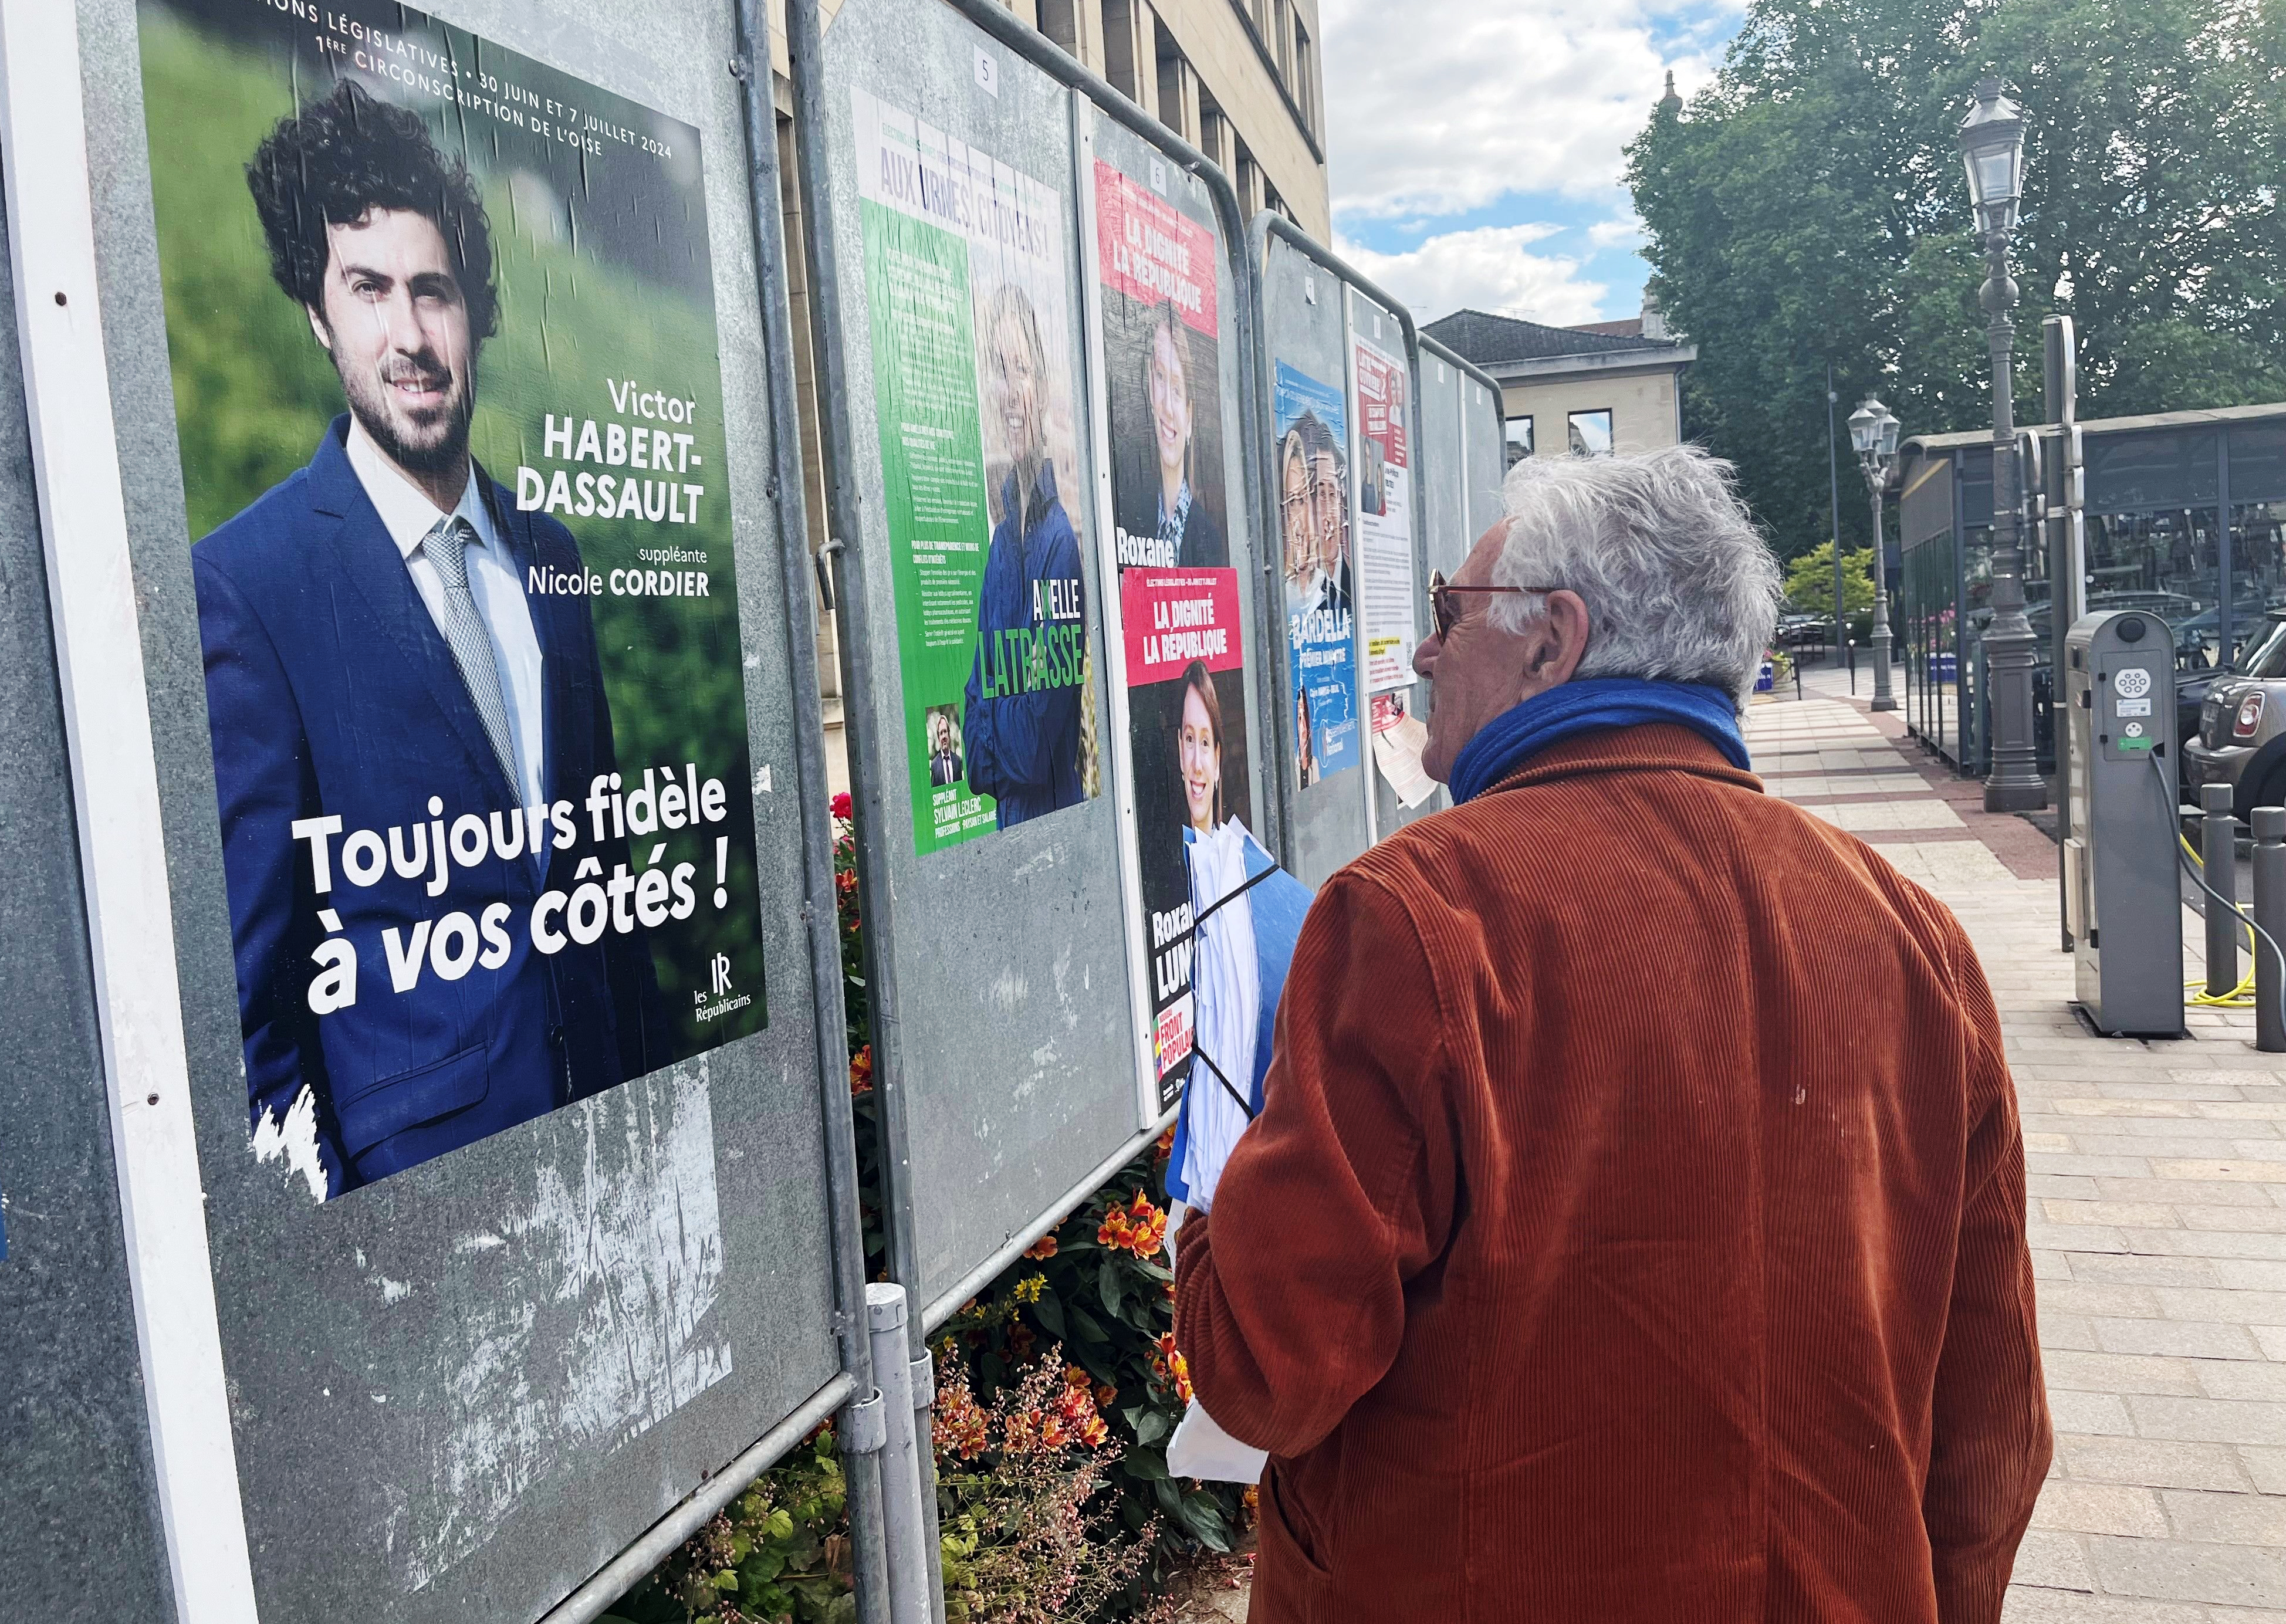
(1280, 902)
(1020, 721)
(331, 694)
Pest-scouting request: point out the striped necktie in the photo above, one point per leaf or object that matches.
(466, 634)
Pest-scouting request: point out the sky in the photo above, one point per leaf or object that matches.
(1476, 151)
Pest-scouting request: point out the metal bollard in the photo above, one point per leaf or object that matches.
(2218, 849)
(2270, 915)
(905, 1528)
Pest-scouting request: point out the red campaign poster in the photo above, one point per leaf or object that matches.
(1151, 252)
(1173, 617)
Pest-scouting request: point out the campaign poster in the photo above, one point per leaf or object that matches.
(1313, 522)
(1179, 612)
(1384, 523)
(441, 329)
(974, 382)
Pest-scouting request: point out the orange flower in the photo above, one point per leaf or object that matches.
(1042, 1249)
(1138, 1227)
(1165, 1147)
(1106, 1395)
(861, 1071)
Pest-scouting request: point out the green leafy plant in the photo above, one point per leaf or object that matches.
(778, 1554)
(1072, 1348)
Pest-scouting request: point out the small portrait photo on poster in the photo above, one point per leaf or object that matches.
(946, 765)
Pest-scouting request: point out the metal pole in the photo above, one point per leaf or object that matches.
(2270, 916)
(2061, 381)
(861, 1429)
(1883, 699)
(2013, 784)
(868, 773)
(1833, 482)
(913, 1535)
(2219, 849)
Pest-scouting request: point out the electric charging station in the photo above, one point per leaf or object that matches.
(2120, 859)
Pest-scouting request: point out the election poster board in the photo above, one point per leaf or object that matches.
(966, 265)
(1385, 507)
(442, 338)
(1179, 602)
(1309, 423)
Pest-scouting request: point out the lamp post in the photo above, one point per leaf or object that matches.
(1873, 433)
(1992, 150)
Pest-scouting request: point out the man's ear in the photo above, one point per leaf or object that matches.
(1558, 639)
(324, 334)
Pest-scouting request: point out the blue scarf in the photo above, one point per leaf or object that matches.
(1583, 707)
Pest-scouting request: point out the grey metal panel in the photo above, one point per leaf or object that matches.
(459, 1391)
(1485, 448)
(1378, 325)
(1128, 152)
(1301, 327)
(1012, 1018)
(80, 1538)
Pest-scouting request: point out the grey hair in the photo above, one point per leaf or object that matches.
(1678, 582)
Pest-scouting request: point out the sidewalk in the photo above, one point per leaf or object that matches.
(2157, 1189)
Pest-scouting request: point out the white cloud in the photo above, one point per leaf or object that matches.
(1483, 269)
(1437, 106)
(1625, 232)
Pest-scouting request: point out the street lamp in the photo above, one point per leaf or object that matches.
(1992, 150)
(1873, 433)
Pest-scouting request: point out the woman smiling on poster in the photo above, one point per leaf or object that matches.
(1246, 915)
(1182, 521)
(1021, 713)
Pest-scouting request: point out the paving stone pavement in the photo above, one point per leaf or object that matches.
(2157, 1196)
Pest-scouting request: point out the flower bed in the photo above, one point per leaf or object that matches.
(1058, 1387)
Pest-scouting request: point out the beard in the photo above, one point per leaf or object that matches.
(428, 439)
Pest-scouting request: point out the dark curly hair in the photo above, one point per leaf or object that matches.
(335, 160)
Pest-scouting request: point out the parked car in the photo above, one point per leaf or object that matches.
(2238, 736)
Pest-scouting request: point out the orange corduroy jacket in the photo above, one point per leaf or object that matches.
(1634, 1230)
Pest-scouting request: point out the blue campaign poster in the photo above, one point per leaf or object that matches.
(1313, 508)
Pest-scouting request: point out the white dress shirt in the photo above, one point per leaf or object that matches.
(408, 515)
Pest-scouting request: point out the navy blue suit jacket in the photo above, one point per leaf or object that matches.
(331, 693)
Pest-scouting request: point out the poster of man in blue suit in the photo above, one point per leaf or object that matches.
(472, 672)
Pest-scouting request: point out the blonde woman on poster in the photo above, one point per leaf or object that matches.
(1021, 714)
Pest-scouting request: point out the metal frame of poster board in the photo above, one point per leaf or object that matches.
(1453, 485)
(883, 848)
(79, 1532)
(1315, 853)
(1480, 454)
(1153, 185)
(248, 1294)
(1387, 813)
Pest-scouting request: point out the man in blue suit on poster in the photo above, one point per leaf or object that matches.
(410, 752)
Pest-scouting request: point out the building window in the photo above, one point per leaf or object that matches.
(1519, 439)
(1306, 77)
(1122, 37)
(1172, 112)
(1591, 433)
(1059, 21)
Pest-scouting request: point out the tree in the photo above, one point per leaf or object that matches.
(1807, 207)
(1809, 581)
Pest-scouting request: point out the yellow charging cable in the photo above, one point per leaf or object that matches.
(2241, 996)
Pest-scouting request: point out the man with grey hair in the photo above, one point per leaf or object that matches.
(1634, 1229)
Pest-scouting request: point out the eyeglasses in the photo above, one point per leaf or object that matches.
(1448, 613)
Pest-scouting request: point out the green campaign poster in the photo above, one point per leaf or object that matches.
(441, 328)
(966, 282)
